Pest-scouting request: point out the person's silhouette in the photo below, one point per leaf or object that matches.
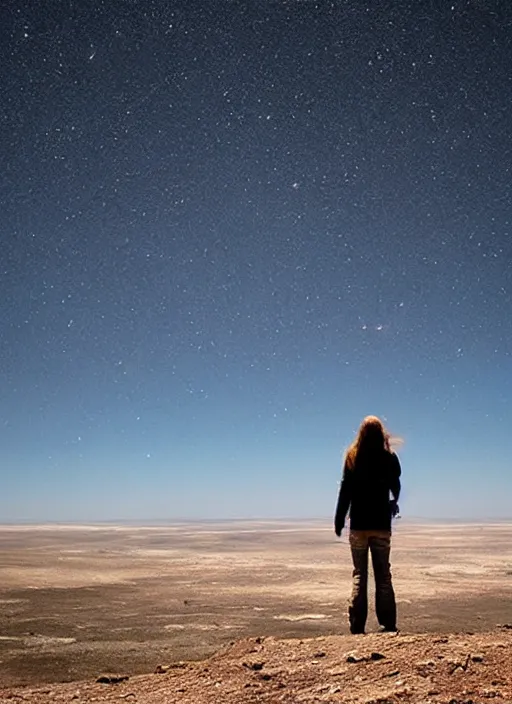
(371, 476)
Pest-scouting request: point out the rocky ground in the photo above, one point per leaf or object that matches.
(371, 669)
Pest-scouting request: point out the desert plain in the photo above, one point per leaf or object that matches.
(80, 600)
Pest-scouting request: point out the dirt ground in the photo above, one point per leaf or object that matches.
(370, 669)
(76, 601)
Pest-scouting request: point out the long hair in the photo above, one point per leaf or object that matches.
(372, 439)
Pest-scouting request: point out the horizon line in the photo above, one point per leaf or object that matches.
(233, 520)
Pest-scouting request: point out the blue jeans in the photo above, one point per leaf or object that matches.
(378, 542)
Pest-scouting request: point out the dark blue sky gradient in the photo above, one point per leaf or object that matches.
(231, 230)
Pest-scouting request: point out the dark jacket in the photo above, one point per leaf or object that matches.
(366, 490)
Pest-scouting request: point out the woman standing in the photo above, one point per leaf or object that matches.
(371, 476)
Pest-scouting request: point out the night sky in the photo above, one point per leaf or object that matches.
(229, 230)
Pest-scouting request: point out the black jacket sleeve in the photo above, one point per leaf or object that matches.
(344, 499)
(396, 471)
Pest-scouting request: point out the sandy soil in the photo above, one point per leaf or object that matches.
(370, 669)
(77, 601)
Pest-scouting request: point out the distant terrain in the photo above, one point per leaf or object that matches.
(77, 601)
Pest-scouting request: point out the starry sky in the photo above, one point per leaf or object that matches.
(229, 231)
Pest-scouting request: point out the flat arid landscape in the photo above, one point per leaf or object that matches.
(79, 601)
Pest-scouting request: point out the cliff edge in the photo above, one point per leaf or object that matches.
(440, 668)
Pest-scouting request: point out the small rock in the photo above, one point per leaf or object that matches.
(162, 669)
(372, 657)
(377, 656)
(477, 658)
(256, 666)
(320, 654)
(265, 676)
(457, 667)
(111, 679)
